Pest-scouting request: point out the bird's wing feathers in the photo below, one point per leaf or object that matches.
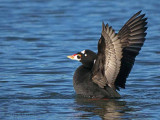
(132, 36)
(117, 52)
(108, 62)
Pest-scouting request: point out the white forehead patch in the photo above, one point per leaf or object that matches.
(83, 52)
(94, 61)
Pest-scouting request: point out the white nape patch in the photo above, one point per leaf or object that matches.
(94, 61)
(83, 52)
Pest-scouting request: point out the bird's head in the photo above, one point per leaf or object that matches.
(86, 57)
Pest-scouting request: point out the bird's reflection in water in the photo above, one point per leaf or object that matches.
(107, 109)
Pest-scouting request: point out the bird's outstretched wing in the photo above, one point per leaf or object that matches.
(108, 62)
(117, 52)
(132, 36)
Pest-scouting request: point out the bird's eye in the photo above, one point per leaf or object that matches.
(79, 56)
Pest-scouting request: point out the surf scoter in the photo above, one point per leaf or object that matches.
(101, 74)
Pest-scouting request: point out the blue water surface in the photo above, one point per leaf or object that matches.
(36, 76)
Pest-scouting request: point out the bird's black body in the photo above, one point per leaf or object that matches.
(101, 74)
(83, 85)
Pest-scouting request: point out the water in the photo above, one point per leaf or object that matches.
(36, 76)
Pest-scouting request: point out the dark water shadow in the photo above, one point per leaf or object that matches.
(107, 109)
